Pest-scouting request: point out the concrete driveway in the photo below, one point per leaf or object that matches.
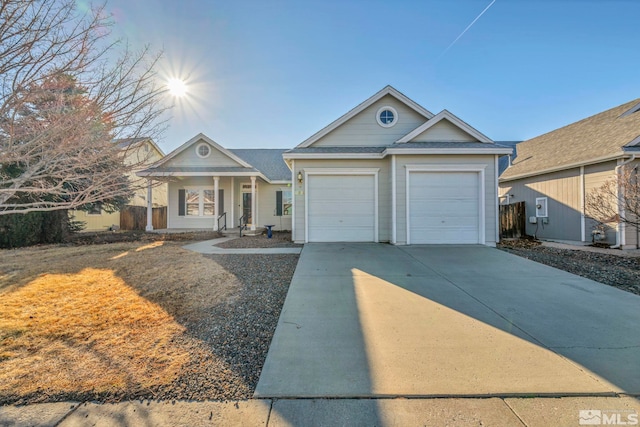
(375, 320)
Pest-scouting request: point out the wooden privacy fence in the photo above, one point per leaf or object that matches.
(135, 218)
(512, 220)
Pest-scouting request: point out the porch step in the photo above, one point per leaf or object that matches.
(236, 232)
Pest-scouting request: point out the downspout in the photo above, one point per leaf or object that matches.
(621, 239)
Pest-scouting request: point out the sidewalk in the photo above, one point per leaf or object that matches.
(209, 247)
(490, 411)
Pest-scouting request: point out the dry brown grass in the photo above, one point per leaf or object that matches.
(104, 319)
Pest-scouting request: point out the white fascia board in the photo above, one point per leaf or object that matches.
(387, 90)
(333, 156)
(411, 151)
(565, 167)
(177, 174)
(444, 114)
(209, 141)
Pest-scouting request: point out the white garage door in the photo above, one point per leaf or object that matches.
(341, 208)
(444, 207)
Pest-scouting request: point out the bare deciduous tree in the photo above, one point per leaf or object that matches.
(617, 200)
(66, 94)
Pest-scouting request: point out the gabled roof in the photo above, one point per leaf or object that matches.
(445, 115)
(131, 142)
(387, 90)
(267, 161)
(604, 136)
(209, 141)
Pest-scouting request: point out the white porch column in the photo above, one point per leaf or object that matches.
(149, 226)
(253, 203)
(233, 190)
(216, 213)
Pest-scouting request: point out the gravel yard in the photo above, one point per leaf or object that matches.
(614, 270)
(123, 321)
(280, 239)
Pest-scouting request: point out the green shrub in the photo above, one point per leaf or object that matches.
(18, 230)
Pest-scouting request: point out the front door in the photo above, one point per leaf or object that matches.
(246, 207)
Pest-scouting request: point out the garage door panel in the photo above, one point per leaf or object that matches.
(341, 208)
(444, 207)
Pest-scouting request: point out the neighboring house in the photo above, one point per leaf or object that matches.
(505, 161)
(211, 187)
(554, 173)
(136, 151)
(389, 170)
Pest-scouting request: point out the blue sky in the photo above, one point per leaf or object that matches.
(270, 73)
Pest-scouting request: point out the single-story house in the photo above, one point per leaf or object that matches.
(136, 151)
(215, 188)
(554, 173)
(389, 170)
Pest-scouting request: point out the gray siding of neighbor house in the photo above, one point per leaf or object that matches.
(384, 192)
(594, 177)
(633, 234)
(562, 190)
(364, 130)
(489, 188)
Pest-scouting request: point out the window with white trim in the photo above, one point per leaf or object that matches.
(203, 150)
(284, 202)
(199, 201)
(387, 116)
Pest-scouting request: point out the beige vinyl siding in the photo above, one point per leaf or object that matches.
(189, 158)
(444, 130)
(489, 189)
(364, 130)
(562, 190)
(594, 177)
(100, 222)
(384, 192)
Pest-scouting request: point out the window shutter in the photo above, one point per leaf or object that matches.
(221, 199)
(278, 203)
(181, 202)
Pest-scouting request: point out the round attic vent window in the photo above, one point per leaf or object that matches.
(387, 117)
(203, 150)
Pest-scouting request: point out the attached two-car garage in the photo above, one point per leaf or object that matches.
(440, 206)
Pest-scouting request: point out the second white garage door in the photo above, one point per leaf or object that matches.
(444, 207)
(341, 208)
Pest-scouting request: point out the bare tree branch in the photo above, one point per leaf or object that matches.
(67, 93)
(617, 200)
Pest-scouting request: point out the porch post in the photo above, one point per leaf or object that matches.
(149, 226)
(233, 190)
(253, 203)
(216, 213)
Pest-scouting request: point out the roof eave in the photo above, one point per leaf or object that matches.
(564, 167)
(294, 156)
(499, 151)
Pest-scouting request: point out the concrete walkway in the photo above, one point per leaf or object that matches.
(508, 412)
(367, 320)
(209, 247)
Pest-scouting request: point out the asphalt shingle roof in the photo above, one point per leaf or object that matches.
(598, 136)
(266, 160)
(200, 169)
